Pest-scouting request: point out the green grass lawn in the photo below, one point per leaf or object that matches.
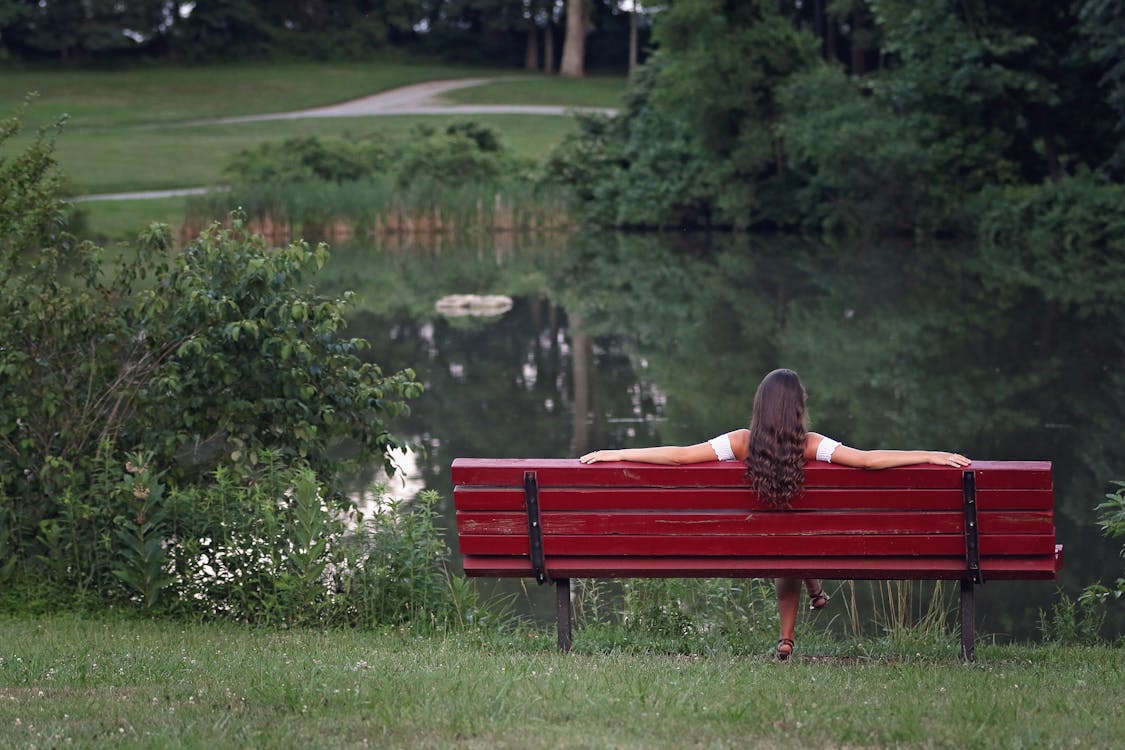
(592, 91)
(67, 681)
(175, 156)
(163, 94)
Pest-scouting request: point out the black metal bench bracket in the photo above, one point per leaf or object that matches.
(534, 528)
(972, 533)
(973, 573)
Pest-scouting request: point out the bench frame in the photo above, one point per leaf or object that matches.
(470, 474)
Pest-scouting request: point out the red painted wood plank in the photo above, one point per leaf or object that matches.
(570, 472)
(725, 523)
(843, 568)
(1016, 522)
(679, 498)
(872, 545)
(735, 524)
(585, 498)
(1013, 475)
(710, 546)
(1035, 499)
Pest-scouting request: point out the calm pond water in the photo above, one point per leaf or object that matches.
(621, 340)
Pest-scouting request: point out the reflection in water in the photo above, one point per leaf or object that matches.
(617, 340)
(376, 494)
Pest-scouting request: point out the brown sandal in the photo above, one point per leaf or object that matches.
(785, 648)
(818, 600)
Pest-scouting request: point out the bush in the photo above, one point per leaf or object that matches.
(309, 158)
(462, 154)
(173, 406)
(639, 169)
(1111, 515)
(1073, 623)
(457, 180)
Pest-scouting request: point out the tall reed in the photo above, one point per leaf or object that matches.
(374, 207)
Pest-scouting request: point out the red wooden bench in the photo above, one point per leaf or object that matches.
(557, 519)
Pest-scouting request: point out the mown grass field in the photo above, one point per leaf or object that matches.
(139, 129)
(67, 681)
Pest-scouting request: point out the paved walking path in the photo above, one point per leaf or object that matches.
(418, 99)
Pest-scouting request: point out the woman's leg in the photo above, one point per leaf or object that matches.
(788, 599)
(817, 598)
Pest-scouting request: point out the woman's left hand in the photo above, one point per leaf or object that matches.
(949, 459)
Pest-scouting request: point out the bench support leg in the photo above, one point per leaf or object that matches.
(562, 612)
(967, 634)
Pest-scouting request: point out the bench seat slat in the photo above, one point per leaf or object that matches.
(889, 568)
(766, 522)
(742, 499)
(782, 545)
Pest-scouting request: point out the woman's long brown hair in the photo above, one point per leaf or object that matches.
(775, 464)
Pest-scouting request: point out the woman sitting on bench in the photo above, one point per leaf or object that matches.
(775, 449)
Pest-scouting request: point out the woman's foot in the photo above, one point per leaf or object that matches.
(818, 600)
(785, 648)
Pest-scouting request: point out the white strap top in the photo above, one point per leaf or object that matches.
(721, 445)
(724, 451)
(825, 449)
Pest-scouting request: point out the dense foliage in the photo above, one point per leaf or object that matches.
(505, 32)
(177, 427)
(1111, 519)
(878, 115)
(453, 179)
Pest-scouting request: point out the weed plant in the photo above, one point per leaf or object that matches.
(274, 552)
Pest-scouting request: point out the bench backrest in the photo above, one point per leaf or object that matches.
(635, 520)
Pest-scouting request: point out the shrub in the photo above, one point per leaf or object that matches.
(1073, 623)
(308, 158)
(1111, 515)
(136, 396)
(462, 154)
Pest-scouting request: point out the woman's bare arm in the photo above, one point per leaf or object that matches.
(662, 454)
(883, 459)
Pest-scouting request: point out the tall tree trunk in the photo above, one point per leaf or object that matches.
(830, 49)
(633, 51)
(820, 26)
(549, 48)
(531, 52)
(858, 61)
(581, 346)
(574, 46)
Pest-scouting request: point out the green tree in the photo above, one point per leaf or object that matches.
(1103, 24)
(700, 123)
(77, 30)
(208, 356)
(224, 29)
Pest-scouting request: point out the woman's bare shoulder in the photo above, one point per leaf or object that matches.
(740, 443)
(812, 442)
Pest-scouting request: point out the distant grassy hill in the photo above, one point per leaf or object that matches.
(137, 129)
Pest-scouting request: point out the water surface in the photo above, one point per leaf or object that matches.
(622, 340)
